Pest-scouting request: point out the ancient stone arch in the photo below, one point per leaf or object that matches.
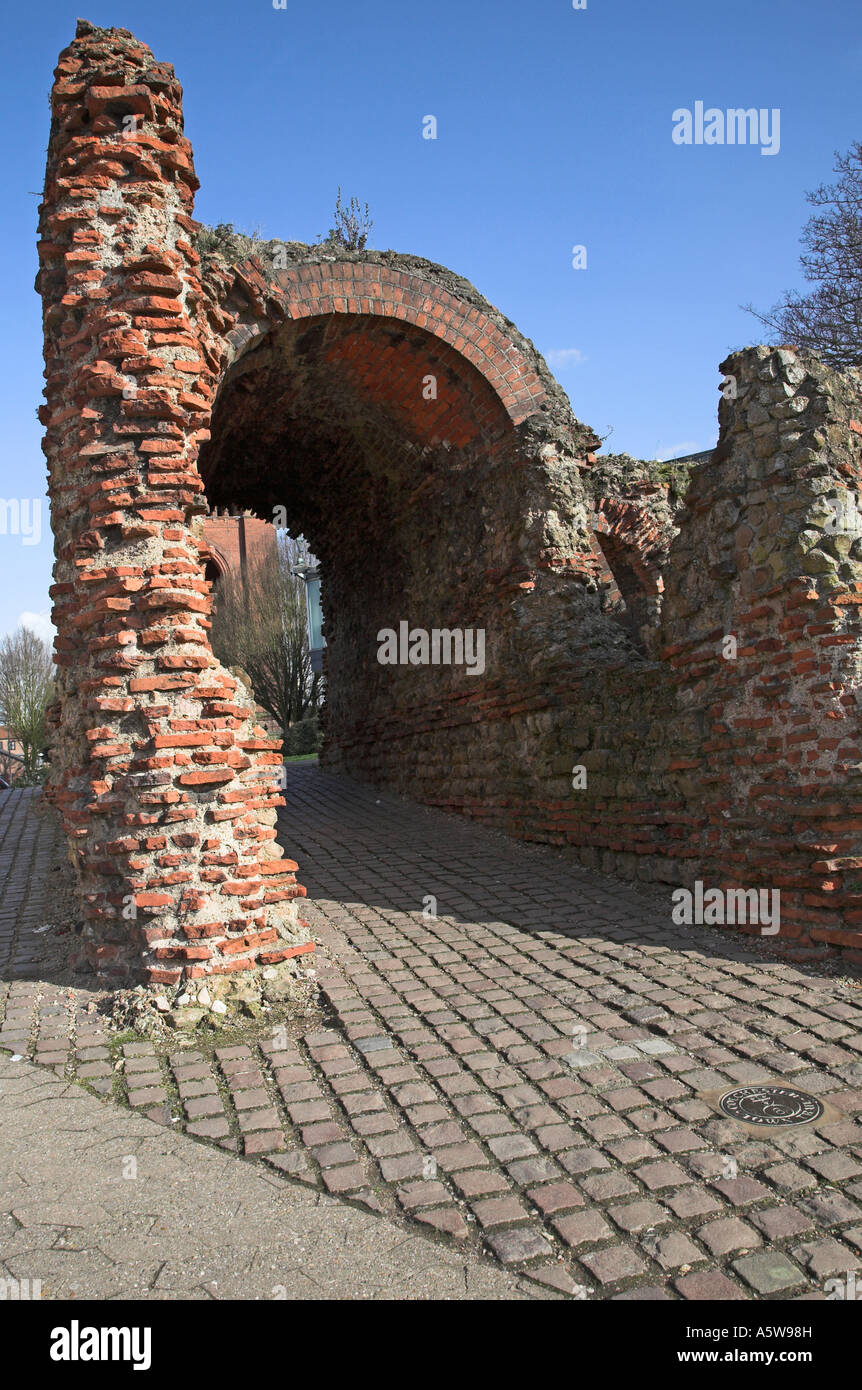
(164, 779)
(418, 440)
(635, 551)
(625, 527)
(406, 289)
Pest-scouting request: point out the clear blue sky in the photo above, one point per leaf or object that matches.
(554, 129)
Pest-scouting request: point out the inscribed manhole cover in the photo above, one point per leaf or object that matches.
(771, 1105)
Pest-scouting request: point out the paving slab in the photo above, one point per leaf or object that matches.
(100, 1203)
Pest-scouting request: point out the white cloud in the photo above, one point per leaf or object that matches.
(564, 357)
(40, 623)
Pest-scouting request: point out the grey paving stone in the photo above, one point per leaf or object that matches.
(769, 1272)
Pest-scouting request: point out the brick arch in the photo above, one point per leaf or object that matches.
(631, 541)
(318, 411)
(634, 551)
(260, 297)
(368, 287)
(215, 562)
(163, 774)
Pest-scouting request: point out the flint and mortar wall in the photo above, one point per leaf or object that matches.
(737, 762)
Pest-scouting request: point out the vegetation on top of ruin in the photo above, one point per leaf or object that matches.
(350, 232)
(231, 247)
(352, 226)
(613, 471)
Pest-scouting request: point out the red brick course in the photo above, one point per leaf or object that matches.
(128, 397)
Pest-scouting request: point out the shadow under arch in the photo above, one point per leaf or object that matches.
(410, 433)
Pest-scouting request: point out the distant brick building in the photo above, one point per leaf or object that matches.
(11, 755)
(234, 541)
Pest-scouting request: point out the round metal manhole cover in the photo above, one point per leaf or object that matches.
(771, 1105)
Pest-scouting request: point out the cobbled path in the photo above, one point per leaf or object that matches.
(518, 1054)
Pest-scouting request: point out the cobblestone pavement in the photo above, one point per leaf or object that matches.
(29, 852)
(523, 1056)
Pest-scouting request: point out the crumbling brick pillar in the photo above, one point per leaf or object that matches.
(163, 777)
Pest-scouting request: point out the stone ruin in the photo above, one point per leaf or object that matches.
(687, 636)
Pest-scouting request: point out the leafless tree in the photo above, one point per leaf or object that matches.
(828, 321)
(259, 624)
(26, 690)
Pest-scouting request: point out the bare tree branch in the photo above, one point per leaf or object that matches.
(828, 321)
(259, 624)
(26, 690)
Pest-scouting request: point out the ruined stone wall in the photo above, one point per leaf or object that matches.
(162, 775)
(688, 637)
(734, 755)
(634, 520)
(770, 553)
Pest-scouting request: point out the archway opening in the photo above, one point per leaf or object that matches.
(392, 455)
(212, 572)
